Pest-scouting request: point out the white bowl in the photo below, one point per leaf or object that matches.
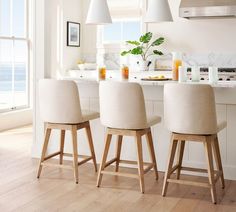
(81, 66)
(90, 66)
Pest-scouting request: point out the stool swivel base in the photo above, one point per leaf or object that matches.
(141, 170)
(210, 143)
(73, 128)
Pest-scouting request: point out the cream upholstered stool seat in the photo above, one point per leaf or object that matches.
(122, 110)
(190, 115)
(60, 109)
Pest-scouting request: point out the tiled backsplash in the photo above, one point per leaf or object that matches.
(211, 59)
(113, 60)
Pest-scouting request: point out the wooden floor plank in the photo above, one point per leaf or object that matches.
(20, 190)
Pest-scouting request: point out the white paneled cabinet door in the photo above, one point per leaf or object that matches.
(161, 136)
(231, 141)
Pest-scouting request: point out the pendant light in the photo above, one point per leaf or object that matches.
(158, 11)
(98, 13)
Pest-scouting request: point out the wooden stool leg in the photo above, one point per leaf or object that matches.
(216, 151)
(75, 152)
(118, 151)
(104, 158)
(171, 158)
(45, 146)
(140, 162)
(62, 145)
(208, 150)
(152, 152)
(90, 141)
(180, 158)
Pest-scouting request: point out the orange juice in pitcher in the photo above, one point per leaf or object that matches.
(177, 62)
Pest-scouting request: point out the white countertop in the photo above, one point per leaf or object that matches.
(220, 84)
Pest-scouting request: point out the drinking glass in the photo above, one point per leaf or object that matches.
(101, 73)
(213, 75)
(195, 74)
(124, 72)
(182, 74)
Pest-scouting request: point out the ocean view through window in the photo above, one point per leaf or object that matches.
(14, 55)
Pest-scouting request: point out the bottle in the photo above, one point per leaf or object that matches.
(177, 61)
(195, 71)
(213, 75)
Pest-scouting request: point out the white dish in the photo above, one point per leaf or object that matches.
(87, 66)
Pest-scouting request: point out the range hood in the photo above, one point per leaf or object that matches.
(207, 8)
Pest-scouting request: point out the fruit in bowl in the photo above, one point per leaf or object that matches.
(80, 64)
(157, 77)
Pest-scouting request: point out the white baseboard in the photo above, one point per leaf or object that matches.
(16, 119)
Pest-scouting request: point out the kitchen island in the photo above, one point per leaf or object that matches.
(225, 93)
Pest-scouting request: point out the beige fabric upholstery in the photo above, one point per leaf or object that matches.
(152, 120)
(59, 102)
(122, 106)
(190, 109)
(221, 125)
(89, 115)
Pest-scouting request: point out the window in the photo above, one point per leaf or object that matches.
(120, 31)
(14, 55)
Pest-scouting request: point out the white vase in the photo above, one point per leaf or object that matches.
(143, 65)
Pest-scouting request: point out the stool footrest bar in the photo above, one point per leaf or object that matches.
(108, 163)
(194, 169)
(121, 174)
(133, 162)
(147, 169)
(174, 168)
(85, 160)
(52, 155)
(187, 182)
(57, 165)
(71, 155)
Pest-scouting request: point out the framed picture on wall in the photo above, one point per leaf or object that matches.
(73, 34)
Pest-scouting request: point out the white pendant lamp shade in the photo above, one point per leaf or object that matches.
(158, 11)
(98, 13)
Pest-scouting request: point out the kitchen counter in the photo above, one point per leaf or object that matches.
(220, 84)
(225, 93)
(90, 76)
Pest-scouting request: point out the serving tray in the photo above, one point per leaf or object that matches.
(154, 79)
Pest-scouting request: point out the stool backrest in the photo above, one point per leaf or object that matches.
(59, 101)
(190, 109)
(122, 105)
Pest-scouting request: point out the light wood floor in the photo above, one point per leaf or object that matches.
(20, 190)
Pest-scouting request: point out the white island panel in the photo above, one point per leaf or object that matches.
(225, 93)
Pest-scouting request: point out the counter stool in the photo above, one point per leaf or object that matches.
(60, 109)
(190, 115)
(122, 110)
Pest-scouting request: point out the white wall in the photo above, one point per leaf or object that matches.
(58, 56)
(39, 72)
(189, 36)
(52, 56)
(196, 36)
(89, 33)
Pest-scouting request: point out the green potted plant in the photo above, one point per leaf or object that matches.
(145, 47)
